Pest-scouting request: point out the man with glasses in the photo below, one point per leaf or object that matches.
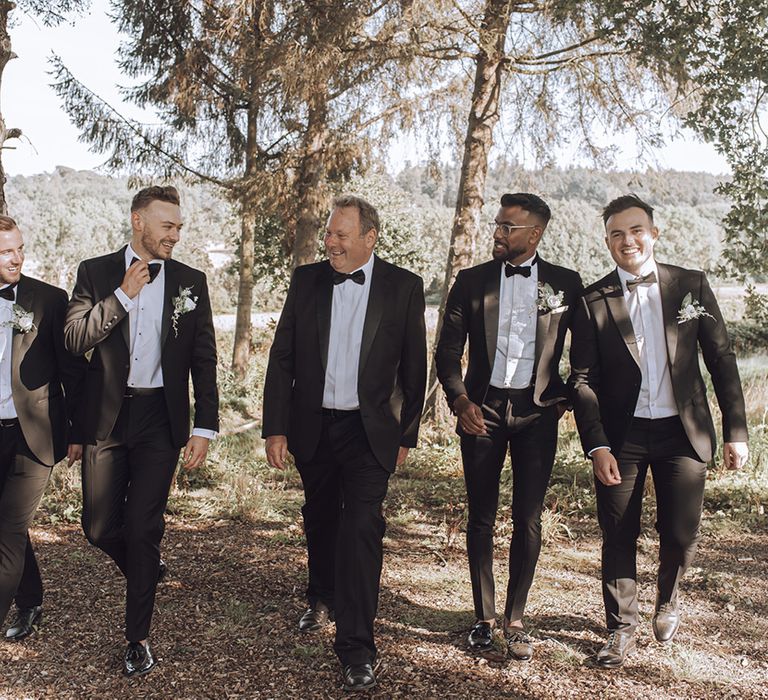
(515, 309)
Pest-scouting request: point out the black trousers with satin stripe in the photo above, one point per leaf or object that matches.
(344, 489)
(22, 483)
(678, 477)
(529, 432)
(126, 480)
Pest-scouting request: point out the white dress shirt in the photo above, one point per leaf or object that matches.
(516, 338)
(7, 408)
(348, 308)
(145, 319)
(656, 398)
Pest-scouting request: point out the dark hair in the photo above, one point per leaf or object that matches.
(143, 198)
(7, 223)
(528, 202)
(369, 217)
(626, 201)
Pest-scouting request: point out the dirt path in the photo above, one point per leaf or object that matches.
(225, 625)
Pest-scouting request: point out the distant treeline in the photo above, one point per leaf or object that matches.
(69, 215)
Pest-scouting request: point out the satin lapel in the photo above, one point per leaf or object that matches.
(491, 311)
(323, 301)
(25, 297)
(669, 295)
(542, 319)
(614, 297)
(170, 290)
(377, 298)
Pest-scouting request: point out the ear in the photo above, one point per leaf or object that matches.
(371, 237)
(536, 233)
(137, 222)
(655, 233)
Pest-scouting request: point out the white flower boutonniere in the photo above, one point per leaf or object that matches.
(691, 309)
(182, 304)
(549, 300)
(21, 320)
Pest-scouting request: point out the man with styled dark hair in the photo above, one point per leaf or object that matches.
(640, 402)
(147, 320)
(515, 311)
(343, 393)
(40, 390)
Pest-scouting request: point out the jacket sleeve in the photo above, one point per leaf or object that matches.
(413, 366)
(450, 345)
(203, 365)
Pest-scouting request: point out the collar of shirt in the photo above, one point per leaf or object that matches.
(648, 266)
(130, 254)
(367, 268)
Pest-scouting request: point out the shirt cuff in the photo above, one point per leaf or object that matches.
(599, 447)
(204, 433)
(125, 300)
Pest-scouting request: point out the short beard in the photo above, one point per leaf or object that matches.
(508, 254)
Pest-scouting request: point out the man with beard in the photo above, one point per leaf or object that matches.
(640, 403)
(40, 387)
(515, 310)
(344, 392)
(147, 320)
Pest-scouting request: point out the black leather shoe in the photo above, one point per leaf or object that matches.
(138, 659)
(162, 571)
(620, 644)
(24, 624)
(665, 622)
(519, 644)
(358, 677)
(315, 617)
(480, 636)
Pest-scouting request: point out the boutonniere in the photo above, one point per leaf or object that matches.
(548, 300)
(21, 320)
(691, 309)
(182, 304)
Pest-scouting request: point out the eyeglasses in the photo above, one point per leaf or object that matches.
(507, 229)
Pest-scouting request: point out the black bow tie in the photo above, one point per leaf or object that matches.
(650, 278)
(154, 269)
(357, 277)
(9, 292)
(524, 270)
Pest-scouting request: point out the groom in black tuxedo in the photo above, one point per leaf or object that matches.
(640, 402)
(40, 390)
(147, 320)
(343, 393)
(515, 310)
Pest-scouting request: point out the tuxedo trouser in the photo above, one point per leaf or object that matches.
(126, 480)
(678, 478)
(22, 483)
(344, 489)
(513, 421)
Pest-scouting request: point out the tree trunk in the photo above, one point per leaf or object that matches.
(311, 194)
(483, 116)
(6, 54)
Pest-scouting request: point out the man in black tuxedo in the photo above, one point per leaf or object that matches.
(147, 320)
(344, 392)
(640, 401)
(40, 386)
(515, 310)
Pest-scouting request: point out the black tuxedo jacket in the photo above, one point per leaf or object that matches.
(393, 360)
(46, 380)
(605, 363)
(472, 310)
(97, 320)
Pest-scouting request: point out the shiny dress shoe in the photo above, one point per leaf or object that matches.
(480, 636)
(315, 617)
(162, 571)
(24, 624)
(358, 677)
(665, 622)
(619, 646)
(519, 644)
(138, 659)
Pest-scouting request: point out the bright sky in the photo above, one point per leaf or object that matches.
(88, 49)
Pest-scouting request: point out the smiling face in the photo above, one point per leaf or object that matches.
(630, 236)
(348, 248)
(11, 256)
(522, 240)
(156, 230)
